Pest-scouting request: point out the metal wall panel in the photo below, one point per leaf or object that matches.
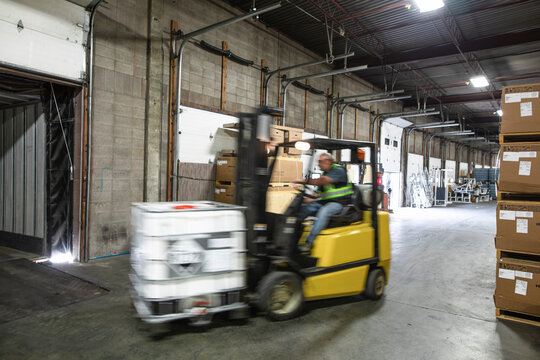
(18, 168)
(30, 171)
(40, 175)
(22, 170)
(7, 157)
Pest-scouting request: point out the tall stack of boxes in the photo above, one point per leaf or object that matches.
(517, 293)
(288, 167)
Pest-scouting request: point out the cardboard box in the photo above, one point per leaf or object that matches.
(518, 286)
(518, 226)
(286, 169)
(521, 109)
(280, 134)
(225, 192)
(279, 198)
(520, 168)
(293, 135)
(225, 168)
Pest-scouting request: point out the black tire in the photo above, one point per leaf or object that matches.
(375, 284)
(280, 295)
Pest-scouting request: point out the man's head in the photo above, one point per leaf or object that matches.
(325, 161)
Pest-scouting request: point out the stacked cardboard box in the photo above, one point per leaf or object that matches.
(517, 293)
(225, 179)
(288, 167)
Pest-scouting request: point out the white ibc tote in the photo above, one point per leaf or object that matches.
(188, 258)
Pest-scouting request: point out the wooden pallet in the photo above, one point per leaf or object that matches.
(522, 255)
(520, 137)
(285, 186)
(517, 317)
(514, 196)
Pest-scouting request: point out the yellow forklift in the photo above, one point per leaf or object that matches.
(351, 256)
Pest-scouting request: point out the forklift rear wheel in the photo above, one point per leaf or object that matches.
(280, 295)
(375, 284)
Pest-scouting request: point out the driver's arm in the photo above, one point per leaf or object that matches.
(323, 180)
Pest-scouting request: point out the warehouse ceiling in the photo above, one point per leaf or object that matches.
(432, 55)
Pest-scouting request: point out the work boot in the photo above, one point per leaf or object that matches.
(305, 248)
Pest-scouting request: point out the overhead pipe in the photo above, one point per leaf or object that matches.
(375, 122)
(269, 75)
(179, 54)
(337, 100)
(364, 101)
(312, 76)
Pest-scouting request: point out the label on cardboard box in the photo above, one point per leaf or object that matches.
(511, 156)
(525, 214)
(525, 168)
(515, 98)
(526, 109)
(524, 274)
(222, 162)
(521, 287)
(522, 226)
(527, 154)
(506, 274)
(507, 215)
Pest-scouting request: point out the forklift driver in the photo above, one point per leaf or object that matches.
(334, 191)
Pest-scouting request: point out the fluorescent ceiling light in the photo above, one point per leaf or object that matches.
(499, 112)
(479, 81)
(436, 125)
(429, 5)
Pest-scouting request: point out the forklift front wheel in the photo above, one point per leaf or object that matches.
(375, 284)
(280, 295)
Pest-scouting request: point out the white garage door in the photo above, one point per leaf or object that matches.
(45, 36)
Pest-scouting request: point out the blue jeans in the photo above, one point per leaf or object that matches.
(322, 212)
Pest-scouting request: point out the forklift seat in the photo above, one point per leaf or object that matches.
(350, 212)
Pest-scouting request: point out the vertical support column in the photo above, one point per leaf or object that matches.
(263, 92)
(355, 124)
(370, 134)
(338, 125)
(279, 95)
(223, 77)
(83, 237)
(173, 68)
(328, 104)
(306, 106)
(154, 67)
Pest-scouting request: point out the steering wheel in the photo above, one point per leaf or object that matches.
(305, 188)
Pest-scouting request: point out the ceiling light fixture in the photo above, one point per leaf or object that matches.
(429, 5)
(499, 112)
(479, 81)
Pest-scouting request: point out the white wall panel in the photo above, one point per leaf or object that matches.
(415, 164)
(434, 163)
(450, 165)
(463, 169)
(391, 147)
(50, 41)
(202, 135)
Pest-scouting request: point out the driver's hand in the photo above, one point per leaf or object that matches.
(299, 181)
(308, 200)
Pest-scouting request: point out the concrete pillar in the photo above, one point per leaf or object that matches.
(154, 101)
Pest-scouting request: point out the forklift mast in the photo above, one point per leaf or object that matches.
(253, 177)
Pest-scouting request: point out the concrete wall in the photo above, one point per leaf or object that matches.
(131, 87)
(118, 124)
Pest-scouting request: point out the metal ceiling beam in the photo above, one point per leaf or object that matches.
(436, 17)
(459, 99)
(438, 51)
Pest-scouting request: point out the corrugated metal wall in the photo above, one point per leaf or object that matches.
(22, 170)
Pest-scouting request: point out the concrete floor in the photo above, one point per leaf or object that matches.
(438, 305)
